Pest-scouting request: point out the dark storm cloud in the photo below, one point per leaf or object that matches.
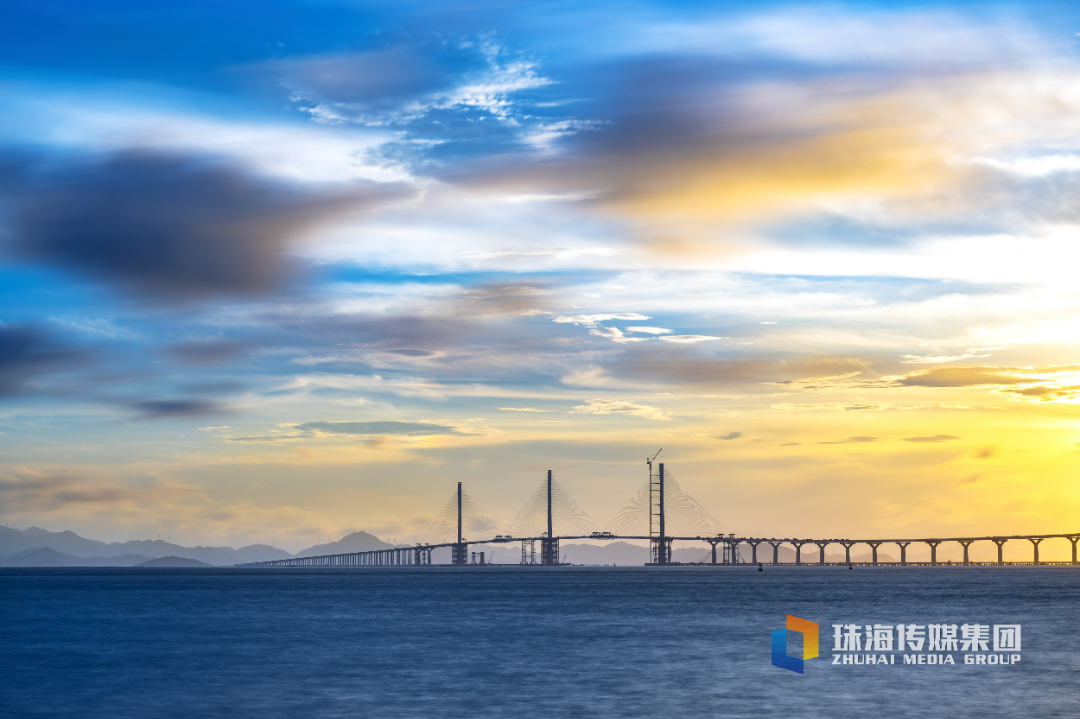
(385, 427)
(26, 352)
(171, 226)
(170, 408)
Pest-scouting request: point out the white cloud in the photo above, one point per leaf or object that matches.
(87, 122)
(1032, 166)
(591, 320)
(615, 335)
(587, 377)
(972, 353)
(620, 406)
(528, 253)
(691, 338)
(649, 330)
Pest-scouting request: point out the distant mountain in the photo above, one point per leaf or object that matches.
(355, 542)
(162, 562)
(260, 553)
(48, 557)
(14, 541)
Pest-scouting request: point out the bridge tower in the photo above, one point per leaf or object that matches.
(459, 551)
(549, 544)
(658, 539)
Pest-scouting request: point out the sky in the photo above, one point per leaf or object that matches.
(276, 271)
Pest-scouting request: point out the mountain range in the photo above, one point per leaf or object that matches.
(35, 547)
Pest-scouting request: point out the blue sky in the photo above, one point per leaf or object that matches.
(285, 269)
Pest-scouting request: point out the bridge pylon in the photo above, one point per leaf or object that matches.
(549, 543)
(459, 553)
(660, 544)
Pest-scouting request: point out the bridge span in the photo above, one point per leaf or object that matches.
(653, 500)
(420, 555)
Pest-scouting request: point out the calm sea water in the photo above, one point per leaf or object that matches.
(516, 643)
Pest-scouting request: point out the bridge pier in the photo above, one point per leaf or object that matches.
(1000, 542)
(847, 551)
(753, 550)
(821, 547)
(873, 550)
(731, 555)
(459, 554)
(798, 549)
(1035, 541)
(933, 550)
(775, 552)
(1073, 538)
(549, 550)
(903, 552)
(713, 542)
(966, 543)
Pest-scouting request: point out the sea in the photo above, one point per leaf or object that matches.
(524, 642)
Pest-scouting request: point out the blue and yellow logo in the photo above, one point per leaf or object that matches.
(780, 657)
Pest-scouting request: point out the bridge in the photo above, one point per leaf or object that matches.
(661, 513)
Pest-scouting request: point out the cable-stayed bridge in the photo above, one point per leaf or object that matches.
(661, 512)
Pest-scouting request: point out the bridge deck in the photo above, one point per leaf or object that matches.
(421, 554)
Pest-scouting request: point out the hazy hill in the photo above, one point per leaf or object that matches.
(47, 557)
(14, 541)
(69, 544)
(355, 542)
(173, 562)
